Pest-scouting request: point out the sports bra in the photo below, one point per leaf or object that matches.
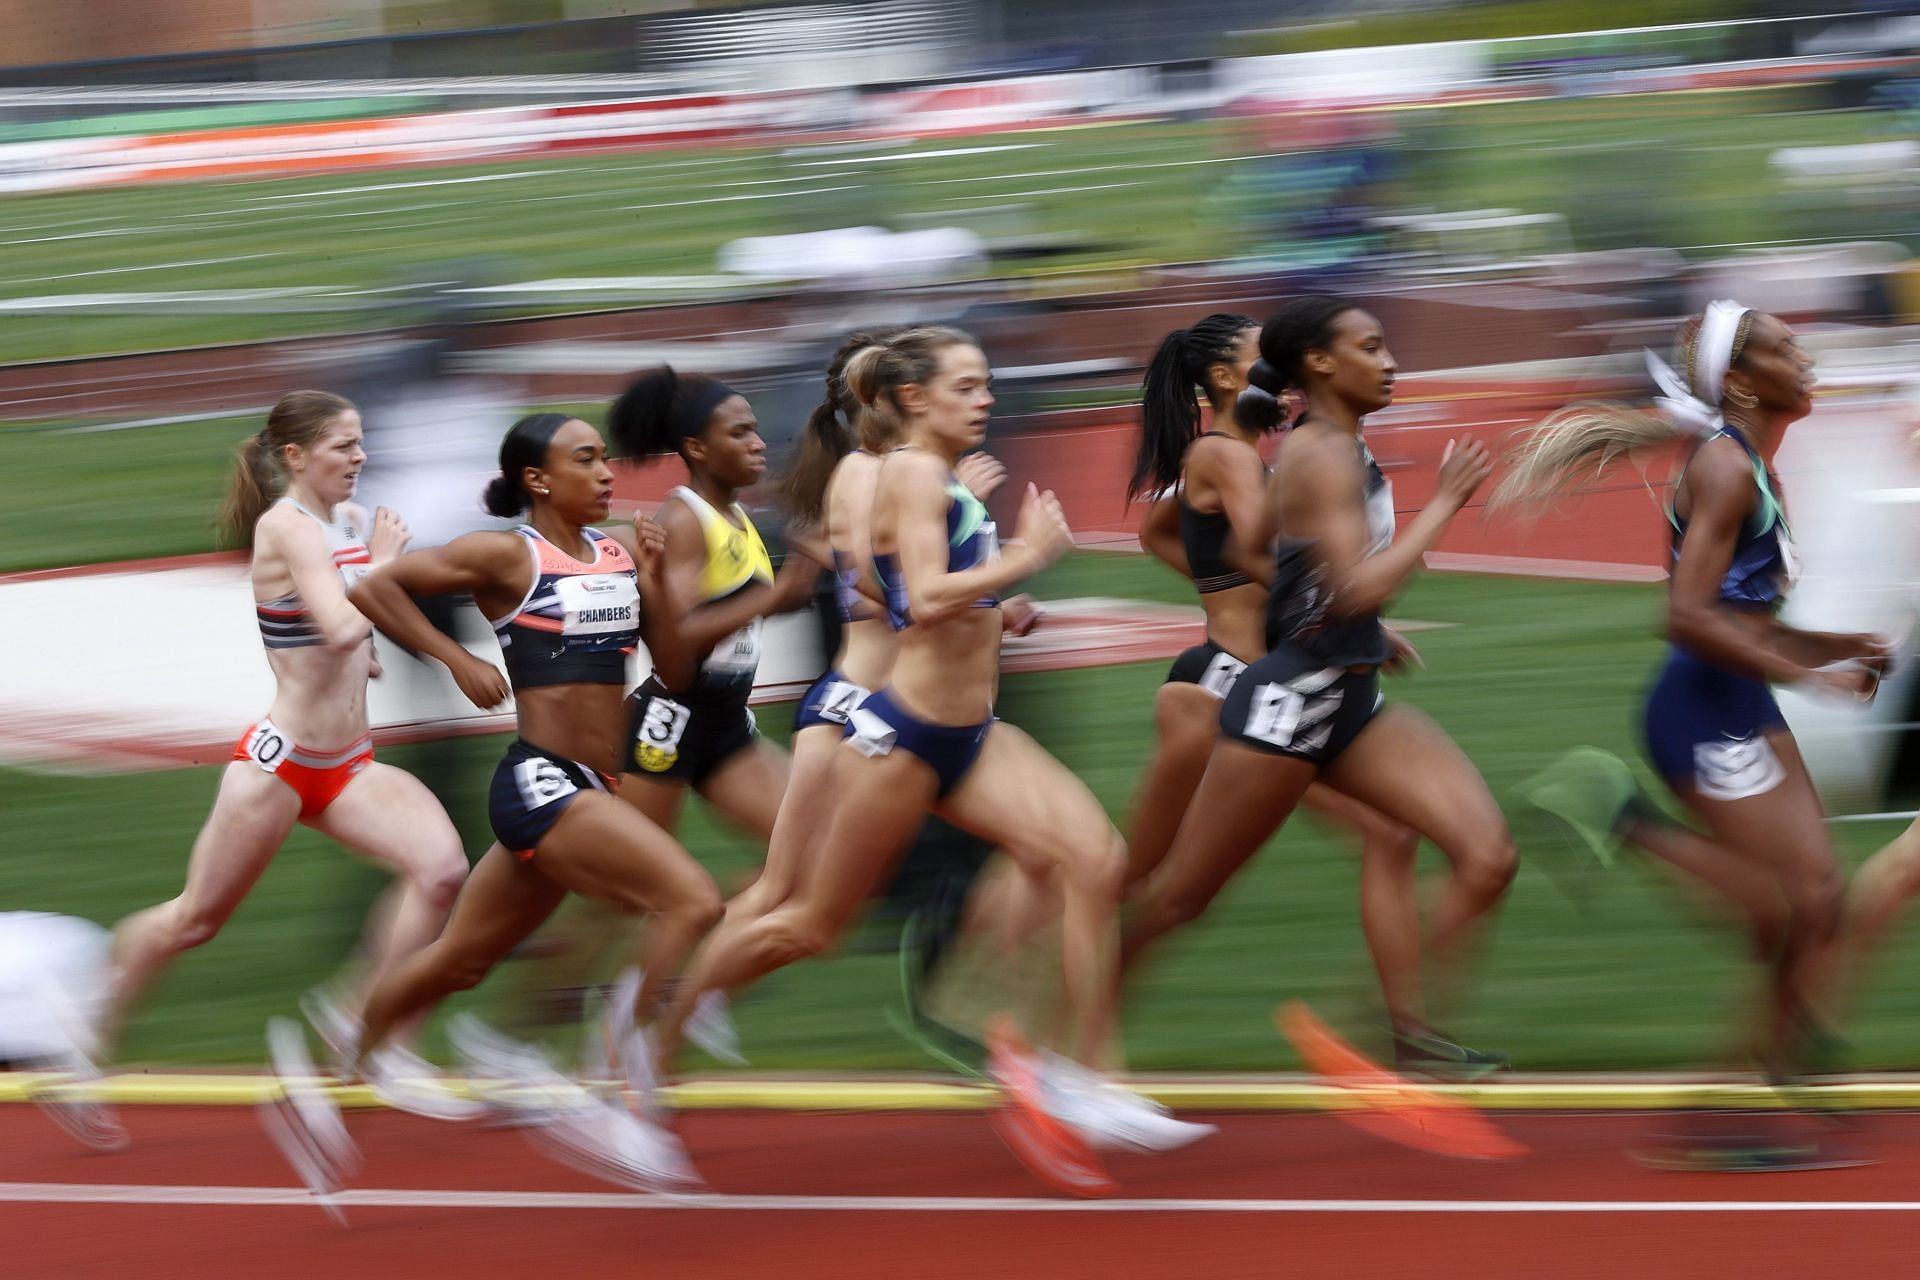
(1764, 565)
(1204, 535)
(285, 623)
(578, 621)
(736, 560)
(846, 587)
(972, 539)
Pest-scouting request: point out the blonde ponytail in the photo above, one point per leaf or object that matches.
(1569, 451)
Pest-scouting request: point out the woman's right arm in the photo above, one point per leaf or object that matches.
(490, 566)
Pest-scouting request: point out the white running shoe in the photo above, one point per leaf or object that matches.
(74, 1102)
(565, 1120)
(617, 1049)
(512, 1077)
(397, 1076)
(606, 1140)
(1109, 1116)
(407, 1082)
(338, 1030)
(710, 1026)
(303, 1121)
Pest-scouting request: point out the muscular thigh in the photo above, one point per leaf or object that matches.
(388, 814)
(1021, 799)
(1405, 767)
(605, 849)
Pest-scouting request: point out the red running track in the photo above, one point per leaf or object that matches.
(1174, 1221)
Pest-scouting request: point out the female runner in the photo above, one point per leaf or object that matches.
(569, 603)
(830, 488)
(1310, 709)
(1212, 483)
(1712, 727)
(310, 759)
(928, 742)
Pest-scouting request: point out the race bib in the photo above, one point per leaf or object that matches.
(656, 745)
(267, 746)
(597, 604)
(1220, 674)
(872, 736)
(838, 700)
(541, 782)
(738, 654)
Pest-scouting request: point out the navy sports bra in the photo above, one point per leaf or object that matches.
(1297, 610)
(1763, 565)
(846, 587)
(579, 620)
(972, 539)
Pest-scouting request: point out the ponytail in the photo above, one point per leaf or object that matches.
(254, 485)
(1572, 449)
(824, 440)
(1569, 451)
(1169, 411)
(1169, 419)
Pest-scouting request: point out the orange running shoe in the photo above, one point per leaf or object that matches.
(1051, 1150)
(1390, 1106)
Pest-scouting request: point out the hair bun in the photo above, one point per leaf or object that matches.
(1265, 377)
(1258, 409)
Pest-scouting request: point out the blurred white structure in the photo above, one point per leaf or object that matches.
(858, 256)
(53, 986)
(1853, 492)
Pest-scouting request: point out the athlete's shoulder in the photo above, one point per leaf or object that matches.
(354, 520)
(283, 521)
(1319, 452)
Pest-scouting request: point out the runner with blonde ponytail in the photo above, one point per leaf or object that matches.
(1712, 728)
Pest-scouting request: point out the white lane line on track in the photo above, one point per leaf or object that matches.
(393, 1198)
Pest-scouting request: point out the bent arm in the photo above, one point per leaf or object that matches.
(1723, 500)
(1328, 488)
(934, 592)
(316, 578)
(490, 566)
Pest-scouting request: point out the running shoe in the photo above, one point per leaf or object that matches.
(613, 1143)
(73, 1098)
(940, 1040)
(1108, 1115)
(512, 1078)
(303, 1121)
(565, 1120)
(710, 1027)
(398, 1077)
(1590, 794)
(407, 1082)
(619, 1050)
(1429, 1053)
(1749, 1155)
(1050, 1149)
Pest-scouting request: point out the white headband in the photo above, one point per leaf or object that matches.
(1697, 408)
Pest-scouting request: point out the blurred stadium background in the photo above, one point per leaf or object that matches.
(455, 209)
